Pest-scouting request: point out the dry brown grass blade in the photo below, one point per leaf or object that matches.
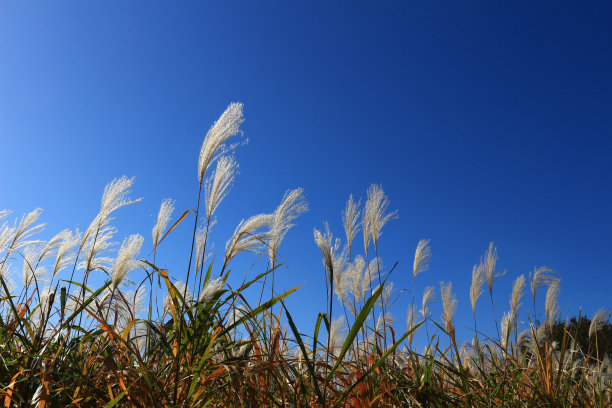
(9, 392)
(175, 225)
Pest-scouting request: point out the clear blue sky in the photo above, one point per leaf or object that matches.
(482, 122)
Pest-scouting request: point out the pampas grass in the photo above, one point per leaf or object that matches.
(100, 345)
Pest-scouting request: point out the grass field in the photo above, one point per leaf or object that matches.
(65, 342)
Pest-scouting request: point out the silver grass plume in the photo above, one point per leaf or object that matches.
(350, 220)
(292, 206)
(52, 245)
(449, 305)
(125, 261)
(224, 128)
(115, 196)
(6, 232)
(163, 218)
(387, 318)
(489, 264)
(368, 276)
(330, 251)
(47, 295)
(541, 277)
(354, 276)
(94, 250)
(551, 306)
(64, 256)
(31, 272)
(375, 211)
(411, 320)
(478, 280)
(428, 295)
(219, 184)
(200, 243)
(246, 238)
(600, 319)
(422, 257)
(507, 324)
(336, 334)
(211, 288)
(517, 293)
(25, 229)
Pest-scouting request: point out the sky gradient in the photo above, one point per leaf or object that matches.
(482, 123)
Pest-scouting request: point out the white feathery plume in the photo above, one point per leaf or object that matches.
(428, 295)
(386, 293)
(218, 185)
(63, 257)
(95, 248)
(449, 304)
(551, 306)
(376, 211)
(600, 319)
(385, 319)
(336, 334)
(489, 264)
(125, 261)
(246, 238)
(49, 248)
(225, 127)
(411, 320)
(422, 257)
(368, 276)
(163, 218)
(7, 273)
(507, 324)
(47, 294)
(211, 288)
(291, 207)
(6, 232)
(517, 294)
(329, 251)
(200, 243)
(31, 272)
(541, 277)
(350, 220)
(478, 280)
(115, 196)
(354, 276)
(25, 230)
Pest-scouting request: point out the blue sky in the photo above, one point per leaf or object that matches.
(483, 122)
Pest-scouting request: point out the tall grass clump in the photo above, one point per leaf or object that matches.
(87, 322)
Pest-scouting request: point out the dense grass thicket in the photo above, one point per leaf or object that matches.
(157, 342)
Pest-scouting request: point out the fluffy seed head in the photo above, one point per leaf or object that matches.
(542, 276)
(449, 304)
(211, 289)
(551, 306)
(163, 218)
(350, 220)
(490, 261)
(64, 258)
(478, 279)
(422, 257)
(517, 293)
(292, 206)
(218, 185)
(428, 295)
(125, 261)
(375, 212)
(224, 128)
(246, 237)
(600, 319)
